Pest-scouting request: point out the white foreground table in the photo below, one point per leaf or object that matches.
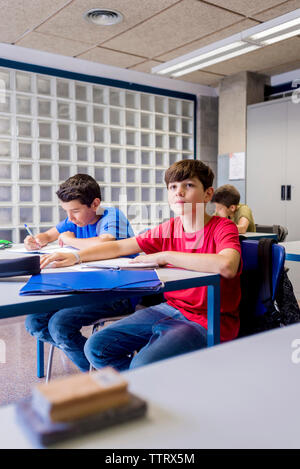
(243, 394)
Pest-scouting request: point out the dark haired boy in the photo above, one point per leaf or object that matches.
(87, 222)
(227, 201)
(192, 240)
(86, 225)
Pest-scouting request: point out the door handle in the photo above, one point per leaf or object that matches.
(282, 192)
(288, 192)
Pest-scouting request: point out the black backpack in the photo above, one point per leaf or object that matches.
(279, 311)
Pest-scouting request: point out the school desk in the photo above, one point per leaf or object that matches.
(11, 304)
(292, 249)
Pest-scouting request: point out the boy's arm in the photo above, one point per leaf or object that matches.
(225, 263)
(40, 240)
(68, 238)
(107, 250)
(242, 225)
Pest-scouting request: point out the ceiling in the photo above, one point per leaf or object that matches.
(152, 32)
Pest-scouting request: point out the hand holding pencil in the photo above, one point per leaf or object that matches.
(30, 242)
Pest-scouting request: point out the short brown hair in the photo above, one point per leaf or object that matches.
(226, 195)
(188, 169)
(80, 187)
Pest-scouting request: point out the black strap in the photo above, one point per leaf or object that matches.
(265, 269)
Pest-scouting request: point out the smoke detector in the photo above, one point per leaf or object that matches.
(103, 16)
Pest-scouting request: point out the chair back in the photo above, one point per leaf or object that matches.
(280, 230)
(252, 282)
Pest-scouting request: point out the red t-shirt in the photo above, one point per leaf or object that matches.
(218, 234)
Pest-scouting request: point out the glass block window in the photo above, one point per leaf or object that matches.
(52, 128)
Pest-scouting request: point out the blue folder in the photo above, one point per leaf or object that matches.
(77, 282)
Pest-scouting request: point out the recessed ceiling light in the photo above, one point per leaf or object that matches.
(103, 16)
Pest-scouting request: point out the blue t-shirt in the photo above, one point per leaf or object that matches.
(112, 221)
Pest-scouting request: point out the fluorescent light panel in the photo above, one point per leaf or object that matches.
(272, 31)
(275, 29)
(282, 37)
(215, 60)
(199, 58)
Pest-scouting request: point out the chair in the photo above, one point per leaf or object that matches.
(280, 230)
(252, 305)
(96, 325)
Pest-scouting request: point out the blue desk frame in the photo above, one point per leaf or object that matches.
(36, 304)
(292, 257)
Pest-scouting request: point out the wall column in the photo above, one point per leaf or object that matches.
(236, 92)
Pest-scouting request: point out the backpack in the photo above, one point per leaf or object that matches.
(259, 309)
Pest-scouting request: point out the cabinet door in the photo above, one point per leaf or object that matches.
(266, 149)
(293, 170)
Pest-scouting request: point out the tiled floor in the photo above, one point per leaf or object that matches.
(18, 372)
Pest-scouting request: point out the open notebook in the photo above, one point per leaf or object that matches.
(120, 263)
(49, 249)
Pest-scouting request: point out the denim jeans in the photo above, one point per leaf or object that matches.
(157, 332)
(62, 328)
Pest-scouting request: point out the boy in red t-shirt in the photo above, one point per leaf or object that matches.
(192, 240)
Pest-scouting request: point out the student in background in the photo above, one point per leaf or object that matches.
(227, 201)
(192, 240)
(87, 224)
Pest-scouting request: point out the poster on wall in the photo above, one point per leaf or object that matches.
(237, 165)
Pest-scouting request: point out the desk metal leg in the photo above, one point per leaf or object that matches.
(40, 358)
(213, 314)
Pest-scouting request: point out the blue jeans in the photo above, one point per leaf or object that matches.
(157, 332)
(62, 328)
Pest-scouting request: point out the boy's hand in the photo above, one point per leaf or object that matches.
(158, 258)
(66, 238)
(32, 243)
(58, 259)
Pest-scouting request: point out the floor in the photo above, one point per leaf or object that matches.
(18, 361)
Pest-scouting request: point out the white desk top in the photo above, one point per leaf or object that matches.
(243, 394)
(292, 249)
(256, 235)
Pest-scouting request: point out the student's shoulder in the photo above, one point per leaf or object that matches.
(223, 225)
(65, 224)
(110, 211)
(221, 222)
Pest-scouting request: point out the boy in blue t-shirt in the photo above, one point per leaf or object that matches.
(87, 224)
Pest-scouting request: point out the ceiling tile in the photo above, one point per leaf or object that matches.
(69, 23)
(267, 57)
(186, 21)
(110, 57)
(145, 66)
(202, 78)
(53, 44)
(278, 11)
(19, 16)
(283, 68)
(245, 7)
(229, 31)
